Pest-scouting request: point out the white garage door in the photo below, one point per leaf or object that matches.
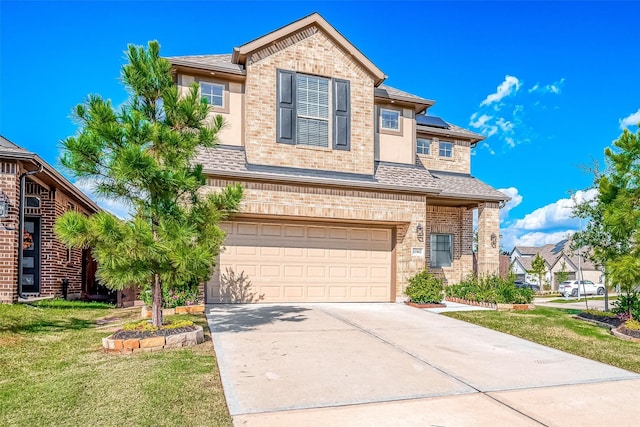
(290, 262)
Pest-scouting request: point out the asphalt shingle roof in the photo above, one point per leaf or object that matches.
(220, 61)
(231, 161)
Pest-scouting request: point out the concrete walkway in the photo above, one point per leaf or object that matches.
(390, 364)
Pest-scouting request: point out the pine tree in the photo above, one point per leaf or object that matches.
(143, 155)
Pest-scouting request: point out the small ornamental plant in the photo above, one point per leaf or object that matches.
(424, 288)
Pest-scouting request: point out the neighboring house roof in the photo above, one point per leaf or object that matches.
(554, 253)
(230, 162)
(10, 150)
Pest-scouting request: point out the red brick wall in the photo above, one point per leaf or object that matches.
(54, 265)
(8, 238)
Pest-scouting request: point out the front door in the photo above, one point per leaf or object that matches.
(31, 256)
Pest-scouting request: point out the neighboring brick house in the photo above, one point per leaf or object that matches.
(45, 260)
(558, 257)
(350, 189)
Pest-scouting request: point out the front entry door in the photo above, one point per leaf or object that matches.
(31, 256)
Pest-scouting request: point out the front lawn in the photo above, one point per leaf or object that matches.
(574, 299)
(53, 371)
(556, 328)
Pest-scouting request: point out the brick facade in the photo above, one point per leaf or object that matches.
(488, 236)
(402, 212)
(56, 261)
(8, 233)
(309, 51)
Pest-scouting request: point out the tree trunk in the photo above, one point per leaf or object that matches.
(156, 305)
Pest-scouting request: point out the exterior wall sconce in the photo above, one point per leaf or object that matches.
(420, 232)
(5, 205)
(494, 240)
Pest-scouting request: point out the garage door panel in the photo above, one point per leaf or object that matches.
(293, 262)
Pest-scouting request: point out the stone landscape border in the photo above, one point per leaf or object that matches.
(139, 345)
(183, 309)
(499, 307)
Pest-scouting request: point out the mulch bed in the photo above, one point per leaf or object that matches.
(127, 335)
(630, 332)
(613, 321)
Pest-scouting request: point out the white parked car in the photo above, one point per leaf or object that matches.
(587, 287)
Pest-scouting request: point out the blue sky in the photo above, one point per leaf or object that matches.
(550, 84)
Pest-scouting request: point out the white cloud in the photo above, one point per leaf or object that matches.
(516, 199)
(478, 122)
(505, 125)
(510, 141)
(488, 147)
(510, 85)
(555, 87)
(556, 214)
(539, 238)
(88, 186)
(630, 120)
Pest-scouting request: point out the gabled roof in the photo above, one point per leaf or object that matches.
(554, 253)
(240, 53)
(230, 162)
(10, 150)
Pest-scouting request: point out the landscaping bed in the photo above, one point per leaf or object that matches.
(608, 319)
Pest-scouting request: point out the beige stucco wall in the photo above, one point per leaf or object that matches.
(460, 162)
(396, 147)
(232, 133)
(400, 211)
(308, 51)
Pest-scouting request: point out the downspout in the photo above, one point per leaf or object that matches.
(23, 178)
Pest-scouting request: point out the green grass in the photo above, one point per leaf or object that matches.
(53, 372)
(573, 299)
(555, 327)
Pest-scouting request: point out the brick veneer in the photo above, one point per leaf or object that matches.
(401, 211)
(9, 238)
(488, 244)
(308, 51)
(460, 162)
(54, 265)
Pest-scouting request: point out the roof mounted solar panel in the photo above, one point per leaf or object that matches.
(432, 121)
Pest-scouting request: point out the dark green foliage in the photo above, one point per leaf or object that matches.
(628, 304)
(143, 155)
(424, 288)
(491, 289)
(538, 267)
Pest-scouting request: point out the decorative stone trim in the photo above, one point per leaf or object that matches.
(187, 309)
(626, 337)
(469, 302)
(499, 307)
(135, 345)
(425, 305)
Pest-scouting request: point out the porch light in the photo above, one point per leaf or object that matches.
(420, 232)
(4, 205)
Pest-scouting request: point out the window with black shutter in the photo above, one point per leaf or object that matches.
(303, 109)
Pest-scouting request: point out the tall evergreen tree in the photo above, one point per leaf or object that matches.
(613, 230)
(143, 155)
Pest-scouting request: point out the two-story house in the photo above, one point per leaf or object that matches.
(350, 188)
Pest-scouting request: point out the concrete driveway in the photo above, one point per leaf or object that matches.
(390, 364)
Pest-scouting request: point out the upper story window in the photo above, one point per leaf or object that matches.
(389, 119)
(307, 105)
(312, 94)
(446, 149)
(423, 146)
(214, 93)
(441, 250)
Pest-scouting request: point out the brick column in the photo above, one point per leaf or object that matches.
(9, 234)
(488, 238)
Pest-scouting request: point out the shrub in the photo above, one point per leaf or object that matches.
(629, 304)
(634, 325)
(490, 289)
(600, 313)
(424, 288)
(175, 297)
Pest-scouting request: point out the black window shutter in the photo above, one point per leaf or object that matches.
(286, 107)
(341, 115)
